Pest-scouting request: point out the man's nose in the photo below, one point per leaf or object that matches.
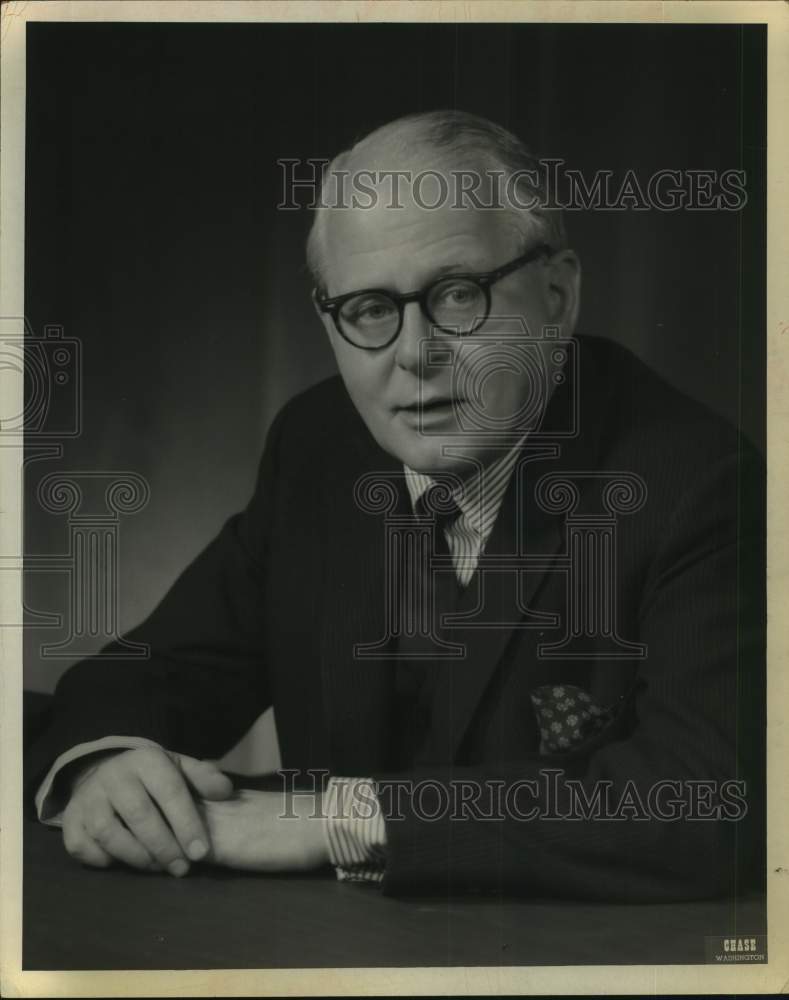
(415, 328)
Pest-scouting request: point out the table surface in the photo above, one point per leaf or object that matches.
(78, 918)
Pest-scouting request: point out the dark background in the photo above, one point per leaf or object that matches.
(152, 233)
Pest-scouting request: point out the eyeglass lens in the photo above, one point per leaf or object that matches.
(456, 304)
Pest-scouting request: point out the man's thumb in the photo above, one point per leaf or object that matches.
(206, 778)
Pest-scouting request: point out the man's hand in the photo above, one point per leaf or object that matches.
(267, 832)
(137, 806)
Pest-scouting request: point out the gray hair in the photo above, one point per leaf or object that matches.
(465, 139)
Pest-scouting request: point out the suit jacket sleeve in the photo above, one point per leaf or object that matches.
(696, 713)
(204, 682)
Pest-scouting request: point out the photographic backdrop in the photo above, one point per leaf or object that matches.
(154, 240)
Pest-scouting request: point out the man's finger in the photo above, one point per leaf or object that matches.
(169, 789)
(138, 811)
(206, 778)
(84, 848)
(88, 852)
(104, 827)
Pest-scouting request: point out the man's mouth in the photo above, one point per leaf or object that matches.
(436, 405)
(431, 414)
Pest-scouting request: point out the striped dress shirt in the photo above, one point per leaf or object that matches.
(355, 830)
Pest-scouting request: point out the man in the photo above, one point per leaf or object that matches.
(551, 697)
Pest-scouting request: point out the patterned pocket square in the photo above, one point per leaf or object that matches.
(567, 716)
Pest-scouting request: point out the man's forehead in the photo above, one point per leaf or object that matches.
(377, 245)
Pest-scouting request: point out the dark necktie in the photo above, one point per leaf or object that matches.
(417, 664)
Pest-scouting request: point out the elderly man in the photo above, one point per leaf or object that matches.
(492, 579)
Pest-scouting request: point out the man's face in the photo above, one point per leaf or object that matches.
(478, 397)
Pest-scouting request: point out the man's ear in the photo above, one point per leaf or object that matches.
(563, 290)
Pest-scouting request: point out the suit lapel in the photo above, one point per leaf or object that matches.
(493, 606)
(358, 690)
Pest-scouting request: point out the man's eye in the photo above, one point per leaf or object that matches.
(372, 311)
(377, 311)
(458, 296)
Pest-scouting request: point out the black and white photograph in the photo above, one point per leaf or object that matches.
(386, 399)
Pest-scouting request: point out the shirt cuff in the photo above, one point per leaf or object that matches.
(355, 829)
(49, 807)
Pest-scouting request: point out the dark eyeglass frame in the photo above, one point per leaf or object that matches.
(484, 281)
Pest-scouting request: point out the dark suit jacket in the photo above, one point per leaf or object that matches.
(269, 614)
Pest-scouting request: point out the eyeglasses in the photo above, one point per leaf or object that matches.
(457, 304)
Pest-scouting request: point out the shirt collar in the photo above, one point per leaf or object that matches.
(480, 497)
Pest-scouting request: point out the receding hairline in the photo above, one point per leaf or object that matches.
(440, 141)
